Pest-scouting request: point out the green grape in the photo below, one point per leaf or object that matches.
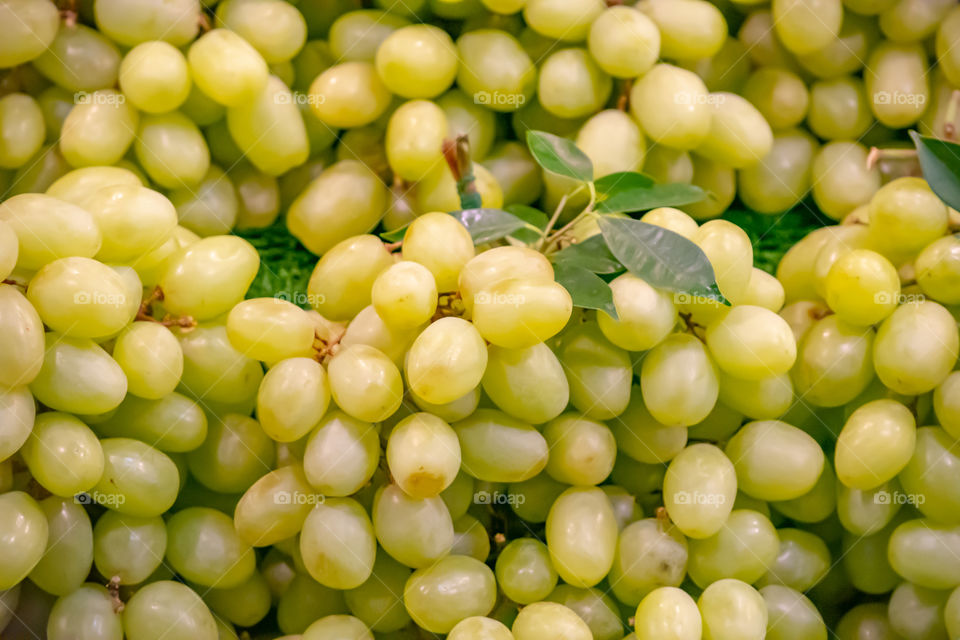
(258, 196)
(305, 601)
(415, 135)
(204, 548)
(767, 398)
(405, 295)
(423, 453)
(446, 360)
(21, 338)
(79, 59)
(86, 613)
(17, 412)
(613, 142)
(227, 68)
(791, 615)
(896, 81)
(532, 499)
(804, 26)
(172, 150)
(679, 381)
(356, 35)
(599, 373)
(866, 621)
(274, 507)
(549, 620)
(494, 266)
(862, 287)
(40, 171)
(78, 376)
(28, 29)
(948, 34)
(732, 609)
(834, 362)
(946, 404)
(780, 180)
(275, 29)
(937, 268)
(79, 185)
(875, 444)
(571, 85)
(865, 562)
(235, 454)
(567, 21)
(414, 531)
(154, 77)
(69, 555)
(270, 329)
(55, 103)
(952, 613)
(369, 328)
(167, 607)
(201, 108)
(132, 219)
(417, 61)
(365, 383)
(908, 208)
(795, 271)
(459, 495)
(516, 313)
(24, 527)
(341, 455)
(815, 505)
(341, 282)
(650, 553)
(437, 191)
(916, 347)
(151, 359)
(209, 277)
(764, 290)
(378, 602)
(864, 513)
(718, 181)
(845, 53)
(923, 552)
(779, 95)
(337, 626)
(774, 460)
(666, 217)
(269, 129)
(730, 253)
(913, 21)
(763, 46)
(293, 396)
(350, 94)
(505, 85)
(513, 168)
(744, 548)
(595, 607)
(21, 130)
(668, 613)
(838, 109)
(640, 436)
(801, 316)
(671, 105)
(752, 343)
(582, 536)
(699, 489)
(525, 572)
(842, 179)
(338, 544)
(802, 561)
(720, 424)
(527, 383)
(626, 43)
(245, 605)
(470, 538)
(582, 451)
(132, 22)
(738, 135)
(916, 612)
(171, 423)
(480, 628)
(930, 474)
(315, 216)
(63, 454)
(645, 315)
(128, 547)
(455, 588)
(470, 117)
(689, 30)
(137, 480)
(215, 372)
(499, 448)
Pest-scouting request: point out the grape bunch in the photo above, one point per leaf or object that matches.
(525, 392)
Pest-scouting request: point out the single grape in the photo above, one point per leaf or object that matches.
(25, 530)
(164, 607)
(582, 535)
(668, 613)
(337, 543)
(128, 547)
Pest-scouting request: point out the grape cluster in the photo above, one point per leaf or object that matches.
(432, 438)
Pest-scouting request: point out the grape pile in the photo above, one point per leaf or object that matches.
(491, 421)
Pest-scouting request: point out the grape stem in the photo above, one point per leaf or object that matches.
(693, 327)
(145, 313)
(550, 239)
(113, 588)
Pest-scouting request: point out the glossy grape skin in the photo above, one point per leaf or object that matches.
(862, 287)
(645, 315)
(922, 551)
(128, 547)
(167, 607)
(154, 77)
(340, 284)
(881, 431)
(803, 26)
(908, 209)
(274, 507)
(418, 61)
(151, 359)
(209, 277)
(130, 23)
(21, 337)
(365, 383)
(86, 613)
(17, 413)
(517, 314)
(834, 362)
(356, 35)
(916, 347)
(567, 21)
(69, 555)
(227, 68)
(571, 85)
(787, 470)
(216, 372)
(802, 562)
(415, 135)
(28, 29)
(946, 404)
(437, 191)
(669, 613)
(25, 532)
(234, 455)
(792, 616)
(527, 383)
(650, 554)
(245, 605)
(277, 30)
(671, 106)
(504, 88)
(752, 342)
(350, 94)
(841, 178)
(732, 609)
(582, 451)
(866, 621)
(480, 628)
(77, 186)
(896, 83)
(203, 546)
(338, 544)
(63, 454)
(405, 295)
(396, 515)
(839, 109)
(77, 376)
(378, 602)
(930, 474)
(423, 454)
(582, 535)
(938, 270)
(500, 448)
(269, 129)
(79, 59)
(337, 626)
(435, 376)
(525, 572)
(780, 179)
(679, 381)
(699, 489)
(170, 147)
(293, 397)
(493, 266)
(455, 588)
(598, 372)
(341, 454)
(270, 329)
(137, 479)
(739, 136)
(743, 549)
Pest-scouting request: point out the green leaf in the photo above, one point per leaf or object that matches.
(940, 161)
(592, 254)
(396, 235)
(629, 191)
(587, 289)
(487, 225)
(559, 155)
(660, 257)
(533, 217)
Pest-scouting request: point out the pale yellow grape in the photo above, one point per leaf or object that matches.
(423, 454)
(405, 295)
(274, 507)
(906, 216)
(689, 30)
(227, 68)
(668, 613)
(560, 20)
(350, 94)
(171, 423)
(801, 316)
(132, 219)
(63, 454)
(524, 571)
(337, 543)
(235, 454)
(845, 238)
(137, 479)
(625, 506)
(518, 314)
(679, 381)
(276, 29)
(25, 532)
(730, 252)
(791, 615)
(369, 328)
(802, 562)
(495, 265)
(671, 105)
(598, 609)
(437, 191)
(22, 130)
(451, 411)
(668, 217)
(269, 129)
(172, 150)
(651, 553)
(495, 71)
(9, 249)
(948, 34)
(245, 604)
(743, 549)
(467, 116)
(795, 271)
(613, 142)
(782, 177)
(664, 164)
(17, 413)
(916, 347)
(762, 399)
(480, 628)
(644, 439)
(917, 612)
(946, 404)
(499, 448)
(69, 556)
(378, 601)
(209, 277)
(624, 42)
(839, 108)
(732, 610)
(151, 359)
(897, 87)
(42, 170)
(527, 383)
(762, 44)
(764, 290)
(720, 423)
(154, 77)
(699, 489)
(645, 315)
(582, 535)
(862, 287)
(931, 473)
(924, 552)
(78, 185)
(875, 444)
(415, 135)
(418, 61)
(270, 329)
(937, 268)
(752, 342)
(79, 59)
(571, 85)
(415, 532)
(21, 339)
(341, 454)
(803, 26)
(841, 178)
(582, 451)
(99, 129)
(356, 35)
(293, 397)
(779, 94)
(203, 547)
(28, 29)
(455, 588)
(316, 216)
(845, 53)
(132, 22)
(365, 383)
(46, 228)
(834, 362)
(213, 370)
(775, 460)
(337, 626)
(599, 373)
(340, 284)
